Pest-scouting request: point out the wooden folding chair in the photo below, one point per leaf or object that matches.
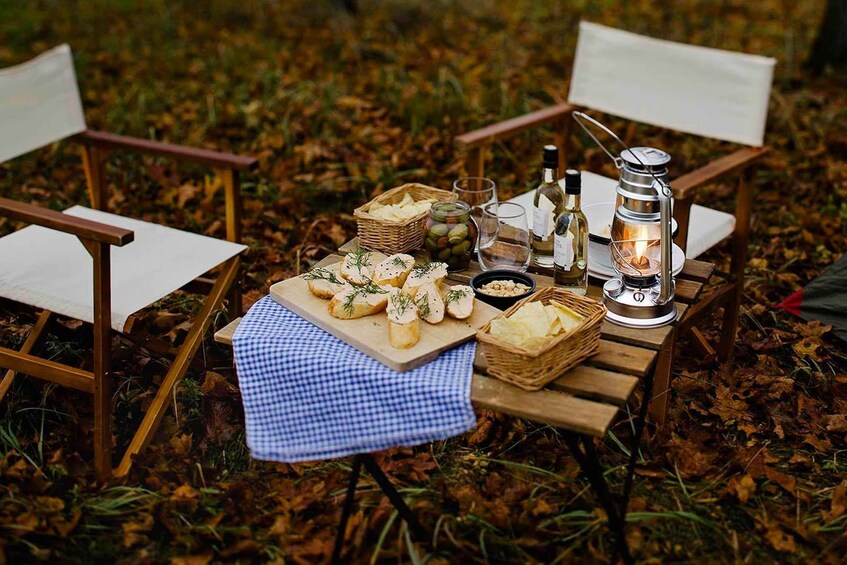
(706, 92)
(99, 267)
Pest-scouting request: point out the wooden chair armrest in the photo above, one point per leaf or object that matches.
(80, 227)
(685, 186)
(508, 128)
(212, 158)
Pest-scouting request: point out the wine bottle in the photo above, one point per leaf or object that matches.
(570, 239)
(546, 208)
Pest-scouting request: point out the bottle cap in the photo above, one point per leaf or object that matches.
(573, 182)
(551, 157)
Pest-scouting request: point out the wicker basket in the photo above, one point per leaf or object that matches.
(533, 369)
(392, 236)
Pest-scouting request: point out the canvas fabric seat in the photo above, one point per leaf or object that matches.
(52, 270)
(707, 227)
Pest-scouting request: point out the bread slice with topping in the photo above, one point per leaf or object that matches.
(357, 267)
(404, 326)
(358, 301)
(324, 283)
(394, 271)
(424, 273)
(430, 304)
(459, 301)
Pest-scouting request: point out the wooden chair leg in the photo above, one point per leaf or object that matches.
(475, 162)
(94, 165)
(703, 346)
(178, 368)
(682, 213)
(235, 307)
(743, 213)
(662, 381)
(234, 213)
(31, 341)
(102, 355)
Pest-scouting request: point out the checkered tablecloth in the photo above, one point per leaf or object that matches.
(308, 395)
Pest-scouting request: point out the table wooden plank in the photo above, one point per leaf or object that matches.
(543, 406)
(695, 270)
(688, 291)
(624, 358)
(583, 380)
(590, 382)
(224, 335)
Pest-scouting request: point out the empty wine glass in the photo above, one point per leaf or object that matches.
(504, 239)
(477, 192)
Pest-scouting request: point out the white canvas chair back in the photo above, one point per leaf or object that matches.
(707, 92)
(39, 103)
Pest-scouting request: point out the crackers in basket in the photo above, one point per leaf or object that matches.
(407, 208)
(533, 324)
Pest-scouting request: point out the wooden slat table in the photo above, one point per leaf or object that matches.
(584, 402)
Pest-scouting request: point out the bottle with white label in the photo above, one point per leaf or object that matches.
(547, 206)
(570, 263)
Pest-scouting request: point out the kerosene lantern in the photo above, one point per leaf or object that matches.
(642, 293)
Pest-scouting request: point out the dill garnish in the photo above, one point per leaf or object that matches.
(401, 302)
(423, 305)
(371, 287)
(399, 262)
(424, 268)
(360, 258)
(322, 274)
(454, 295)
(347, 305)
(368, 288)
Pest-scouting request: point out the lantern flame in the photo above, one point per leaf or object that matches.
(640, 238)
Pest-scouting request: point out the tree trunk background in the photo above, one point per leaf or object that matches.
(830, 47)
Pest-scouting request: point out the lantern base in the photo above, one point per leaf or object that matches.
(635, 307)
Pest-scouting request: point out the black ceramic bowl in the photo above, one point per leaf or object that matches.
(501, 302)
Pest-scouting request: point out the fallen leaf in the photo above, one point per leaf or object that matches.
(838, 504)
(835, 423)
(743, 487)
(787, 482)
(780, 540)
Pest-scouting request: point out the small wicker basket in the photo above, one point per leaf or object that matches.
(533, 369)
(392, 236)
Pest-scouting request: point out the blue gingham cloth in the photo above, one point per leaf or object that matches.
(308, 395)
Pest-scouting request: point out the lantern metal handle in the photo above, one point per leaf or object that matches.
(663, 188)
(579, 116)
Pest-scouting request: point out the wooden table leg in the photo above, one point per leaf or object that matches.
(662, 381)
(367, 460)
(586, 456)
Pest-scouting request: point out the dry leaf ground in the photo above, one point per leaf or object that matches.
(753, 464)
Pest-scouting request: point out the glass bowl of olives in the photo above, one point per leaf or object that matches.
(450, 234)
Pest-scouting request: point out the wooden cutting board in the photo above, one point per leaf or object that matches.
(370, 334)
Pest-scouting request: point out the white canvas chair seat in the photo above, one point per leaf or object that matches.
(52, 270)
(706, 227)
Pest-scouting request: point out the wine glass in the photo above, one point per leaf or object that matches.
(504, 239)
(476, 192)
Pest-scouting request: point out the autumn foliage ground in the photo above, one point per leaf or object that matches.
(752, 464)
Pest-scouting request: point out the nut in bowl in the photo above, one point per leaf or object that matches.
(502, 288)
